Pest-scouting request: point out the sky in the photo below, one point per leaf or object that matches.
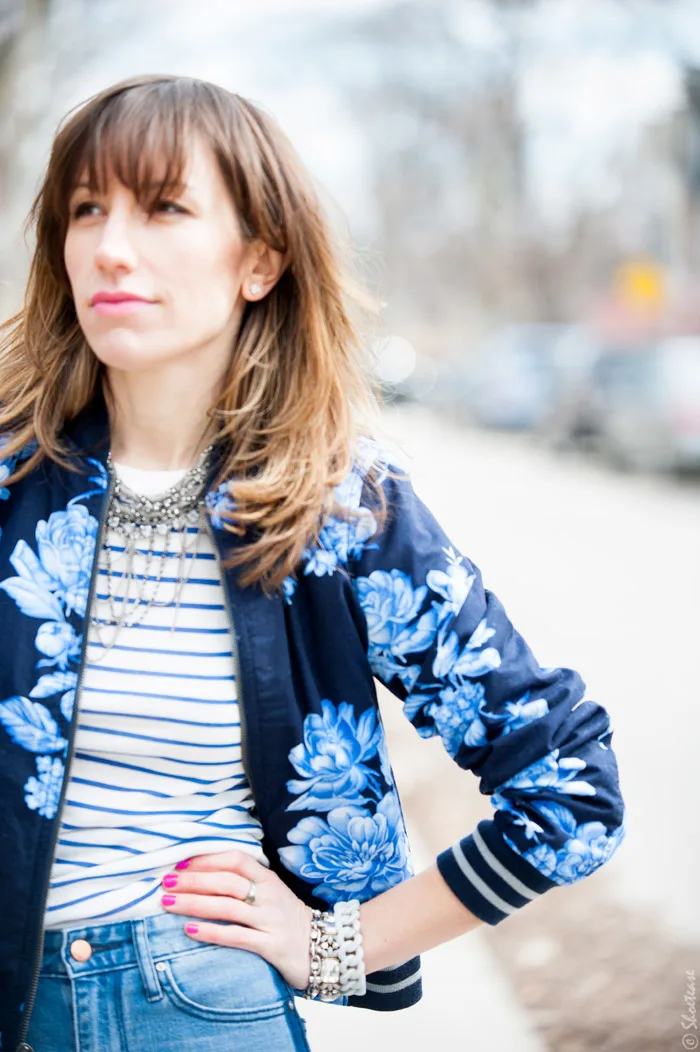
(589, 74)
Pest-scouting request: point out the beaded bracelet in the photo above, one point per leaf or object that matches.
(352, 964)
(336, 956)
(324, 973)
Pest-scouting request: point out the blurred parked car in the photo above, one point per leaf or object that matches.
(573, 418)
(511, 379)
(638, 406)
(651, 407)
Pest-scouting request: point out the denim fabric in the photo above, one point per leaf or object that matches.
(147, 986)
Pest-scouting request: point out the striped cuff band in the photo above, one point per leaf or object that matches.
(488, 877)
(392, 988)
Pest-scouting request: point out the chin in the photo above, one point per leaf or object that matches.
(130, 354)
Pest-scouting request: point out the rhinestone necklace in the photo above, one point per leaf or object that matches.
(142, 520)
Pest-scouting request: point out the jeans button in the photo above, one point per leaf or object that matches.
(80, 950)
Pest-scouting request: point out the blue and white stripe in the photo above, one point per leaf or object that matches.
(157, 773)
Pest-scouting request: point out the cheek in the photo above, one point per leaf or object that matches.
(208, 274)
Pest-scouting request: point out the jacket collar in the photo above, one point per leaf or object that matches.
(88, 432)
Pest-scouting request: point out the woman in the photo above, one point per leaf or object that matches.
(204, 564)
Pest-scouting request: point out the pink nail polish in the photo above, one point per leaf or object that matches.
(168, 900)
(191, 929)
(184, 864)
(170, 881)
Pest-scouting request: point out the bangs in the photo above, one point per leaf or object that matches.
(141, 137)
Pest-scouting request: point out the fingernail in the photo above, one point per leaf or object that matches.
(184, 864)
(168, 900)
(191, 929)
(170, 881)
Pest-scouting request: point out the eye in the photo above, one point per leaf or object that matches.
(169, 207)
(83, 209)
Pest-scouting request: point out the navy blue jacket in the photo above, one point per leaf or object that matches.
(402, 606)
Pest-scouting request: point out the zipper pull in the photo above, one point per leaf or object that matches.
(24, 1047)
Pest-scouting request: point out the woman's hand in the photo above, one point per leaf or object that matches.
(277, 926)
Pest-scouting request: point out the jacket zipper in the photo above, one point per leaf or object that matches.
(22, 1046)
(234, 646)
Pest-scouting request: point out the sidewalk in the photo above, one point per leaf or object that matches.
(467, 1004)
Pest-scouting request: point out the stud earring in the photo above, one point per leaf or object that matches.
(255, 289)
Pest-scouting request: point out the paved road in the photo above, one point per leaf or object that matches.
(601, 572)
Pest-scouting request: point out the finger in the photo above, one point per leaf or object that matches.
(235, 861)
(233, 935)
(212, 907)
(219, 882)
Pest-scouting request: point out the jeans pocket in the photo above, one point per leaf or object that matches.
(225, 984)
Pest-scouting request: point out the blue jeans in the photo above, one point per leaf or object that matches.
(147, 986)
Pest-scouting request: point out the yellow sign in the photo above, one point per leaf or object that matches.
(641, 283)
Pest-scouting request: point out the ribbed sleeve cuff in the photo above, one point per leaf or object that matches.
(488, 877)
(392, 988)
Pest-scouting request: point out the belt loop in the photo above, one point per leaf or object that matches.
(149, 976)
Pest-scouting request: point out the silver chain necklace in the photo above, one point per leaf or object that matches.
(141, 520)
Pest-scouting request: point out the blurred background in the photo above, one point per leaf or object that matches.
(522, 183)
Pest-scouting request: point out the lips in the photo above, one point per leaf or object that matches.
(117, 297)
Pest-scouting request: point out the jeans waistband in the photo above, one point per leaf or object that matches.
(118, 945)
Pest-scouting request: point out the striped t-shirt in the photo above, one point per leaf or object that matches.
(157, 773)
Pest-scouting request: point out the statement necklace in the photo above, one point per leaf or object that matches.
(140, 521)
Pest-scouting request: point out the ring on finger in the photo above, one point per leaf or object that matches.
(250, 897)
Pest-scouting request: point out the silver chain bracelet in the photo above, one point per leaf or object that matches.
(337, 966)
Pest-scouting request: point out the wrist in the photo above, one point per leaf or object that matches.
(336, 957)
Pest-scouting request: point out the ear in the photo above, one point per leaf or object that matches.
(263, 270)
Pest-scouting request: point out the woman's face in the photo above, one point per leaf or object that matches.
(187, 263)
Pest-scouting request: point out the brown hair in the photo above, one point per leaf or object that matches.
(297, 395)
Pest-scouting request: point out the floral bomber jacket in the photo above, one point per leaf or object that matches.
(405, 607)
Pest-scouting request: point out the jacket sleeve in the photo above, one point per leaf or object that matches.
(443, 644)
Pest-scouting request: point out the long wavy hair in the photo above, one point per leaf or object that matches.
(297, 395)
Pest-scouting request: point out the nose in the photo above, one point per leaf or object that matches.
(116, 250)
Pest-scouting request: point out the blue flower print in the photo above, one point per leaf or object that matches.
(8, 465)
(53, 683)
(604, 737)
(66, 545)
(548, 773)
(457, 716)
(352, 854)
(391, 603)
(531, 829)
(59, 642)
(289, 587)
(6, 470)
(51, 584)
(43, 792)
(332, 759)
(475, 659)
(32, 588)
(384, 761)
(587, 846)
(31, 725)
(67, 703)
(56, 582)
(517, 714)
(341, 539)
(219, 501)
(452, 584)
(100, 481)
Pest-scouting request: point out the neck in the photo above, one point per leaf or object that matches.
(159, 421)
